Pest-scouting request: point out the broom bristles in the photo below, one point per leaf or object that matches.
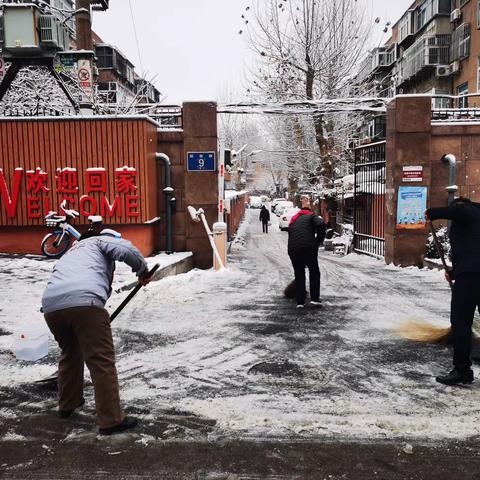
(424, 332)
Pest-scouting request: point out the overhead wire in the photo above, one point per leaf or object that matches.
(136, 38)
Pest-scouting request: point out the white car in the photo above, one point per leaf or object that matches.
(275, 201)
(286, 216)
(255, 202)
(282, 206)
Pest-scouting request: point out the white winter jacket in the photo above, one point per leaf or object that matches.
(83, 276)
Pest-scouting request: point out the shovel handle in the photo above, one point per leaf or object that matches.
(440, 251)
(132, 294)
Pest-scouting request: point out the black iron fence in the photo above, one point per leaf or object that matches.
(369, 199)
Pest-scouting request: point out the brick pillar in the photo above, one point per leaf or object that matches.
(408, 143)
(201, 188)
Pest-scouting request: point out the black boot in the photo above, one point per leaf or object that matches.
(67, 413)
(456, 377)
(128, 422)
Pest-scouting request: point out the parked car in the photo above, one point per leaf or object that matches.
(255, 202)
(275, 202)
(286, 216)
(282, 206)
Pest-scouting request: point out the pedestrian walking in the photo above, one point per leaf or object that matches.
(465, 275)
(264, 218)
(306, 232)
(74, 308)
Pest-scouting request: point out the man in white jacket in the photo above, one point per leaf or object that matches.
(74, 308)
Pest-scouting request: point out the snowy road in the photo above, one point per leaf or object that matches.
(187, 345)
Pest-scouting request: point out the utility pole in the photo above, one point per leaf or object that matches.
(83, 25)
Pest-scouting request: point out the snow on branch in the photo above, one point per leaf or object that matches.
(308, 107)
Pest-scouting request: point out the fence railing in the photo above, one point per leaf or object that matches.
(369, 199)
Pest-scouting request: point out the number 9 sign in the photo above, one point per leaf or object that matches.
(201, 162)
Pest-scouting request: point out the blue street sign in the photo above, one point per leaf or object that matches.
(201, 161)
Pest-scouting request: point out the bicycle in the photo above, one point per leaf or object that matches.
(55, 244)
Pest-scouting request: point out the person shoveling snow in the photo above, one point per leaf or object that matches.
(74, 308)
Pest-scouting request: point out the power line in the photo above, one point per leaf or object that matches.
(136, 37)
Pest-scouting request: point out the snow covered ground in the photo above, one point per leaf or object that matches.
(228, 350)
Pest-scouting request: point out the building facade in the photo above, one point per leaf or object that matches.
(434, 49)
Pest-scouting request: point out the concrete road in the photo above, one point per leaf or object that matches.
(231, 381)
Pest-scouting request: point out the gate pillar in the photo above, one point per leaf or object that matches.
(408, 144)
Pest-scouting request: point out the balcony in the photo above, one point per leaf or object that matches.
(377, 60)
(427, 51)
(428, 10)
(406, 27)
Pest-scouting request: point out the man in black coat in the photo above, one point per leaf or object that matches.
(264, 218)
(465, 243)
(306, 232)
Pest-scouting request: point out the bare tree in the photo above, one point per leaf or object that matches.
(309, 49)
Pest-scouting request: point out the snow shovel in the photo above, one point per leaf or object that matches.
(54, 378)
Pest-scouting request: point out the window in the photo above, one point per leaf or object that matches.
(478, 14)
(462, 90)
(440, 102)
(104, 57)
(405, 26)
(429, 9)
(461, 42)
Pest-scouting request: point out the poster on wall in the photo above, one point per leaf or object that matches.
(412, 203)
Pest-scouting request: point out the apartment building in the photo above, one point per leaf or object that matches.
(117, 84)
(465, 66)
(434, 48)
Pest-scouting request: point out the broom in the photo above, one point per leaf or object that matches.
(424, 332)
(289, 291)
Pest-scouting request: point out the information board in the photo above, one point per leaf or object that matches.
(412, 203)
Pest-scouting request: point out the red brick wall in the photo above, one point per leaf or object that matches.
(413, 140)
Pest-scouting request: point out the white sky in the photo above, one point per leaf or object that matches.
(192, 47)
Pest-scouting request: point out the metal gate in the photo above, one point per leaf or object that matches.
(369, 199)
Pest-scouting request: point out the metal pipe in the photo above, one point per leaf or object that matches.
(452, 176)
(168, 190)
(452, 180)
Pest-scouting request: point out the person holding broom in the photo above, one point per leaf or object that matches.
(73, 304)
(306, 233)
(465, 280)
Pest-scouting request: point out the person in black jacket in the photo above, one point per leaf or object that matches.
(465, 274)
(306, 232)
(264, 218)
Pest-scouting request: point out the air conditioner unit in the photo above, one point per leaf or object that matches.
(49, 31)
(443, 70)
(456, 15)
(455, 66)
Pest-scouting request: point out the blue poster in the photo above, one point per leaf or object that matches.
(412, 203)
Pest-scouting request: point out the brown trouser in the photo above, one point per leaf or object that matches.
(84, 334)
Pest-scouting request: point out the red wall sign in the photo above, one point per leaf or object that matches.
(41, 190)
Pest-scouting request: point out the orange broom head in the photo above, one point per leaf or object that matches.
(289, 291)
(420, 331)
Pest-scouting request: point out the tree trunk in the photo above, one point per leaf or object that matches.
(325, 168)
